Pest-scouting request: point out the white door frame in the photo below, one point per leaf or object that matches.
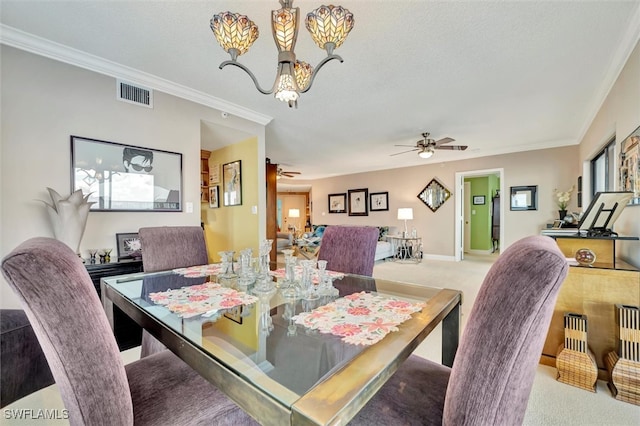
(459, 214)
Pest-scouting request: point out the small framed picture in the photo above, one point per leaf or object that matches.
(358, 202)
(478, 200)
(557, 224)
(214, 201)
(379, 201)
(214, 173)
(337, 203)
(234, 314)
(232, 177)
(129, 246)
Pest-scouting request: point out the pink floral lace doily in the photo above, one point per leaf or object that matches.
(202, 270)
(199, 299)
(360, 318)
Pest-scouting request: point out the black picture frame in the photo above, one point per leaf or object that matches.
(126, 247)
(119, 177)
(358, 205)
(338, 203)
(478, 200)
(232, 181)
(524, 198)
(214, 197)
(234, 314)
(630, 166)
(378, 201)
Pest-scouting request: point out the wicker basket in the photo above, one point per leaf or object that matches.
(624, 365)
(575, 362)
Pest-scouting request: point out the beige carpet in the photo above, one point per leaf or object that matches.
(551, 402)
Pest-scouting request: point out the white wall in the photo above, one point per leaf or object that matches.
(618, 116)
(548, 169)
(43, 103)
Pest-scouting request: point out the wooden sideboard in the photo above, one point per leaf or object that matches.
(128, 333)
(594, 292)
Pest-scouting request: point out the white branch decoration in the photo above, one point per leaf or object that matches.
(68, 217)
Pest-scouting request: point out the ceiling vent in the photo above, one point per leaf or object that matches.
(139, 95)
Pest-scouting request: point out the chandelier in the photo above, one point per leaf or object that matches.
(328, 25)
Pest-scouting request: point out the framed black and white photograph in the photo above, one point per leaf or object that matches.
(379, 201)
(232, 177)
(234, 314)
(358, 202)
(214, 201)
(119, 177)
(129, 246)
(478, 200)
(524, 198)
(338, 203)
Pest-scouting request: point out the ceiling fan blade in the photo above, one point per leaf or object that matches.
(411, 146)
(404, 152)
(453, 147)
(292, 173)
(443, 141)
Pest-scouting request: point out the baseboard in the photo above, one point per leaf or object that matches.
(479, 251)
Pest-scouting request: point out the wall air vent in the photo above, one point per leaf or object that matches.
(134, 94)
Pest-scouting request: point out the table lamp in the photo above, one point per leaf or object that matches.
(295, 213)
(405, 214)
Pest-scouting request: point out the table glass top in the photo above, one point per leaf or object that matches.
(265, 342)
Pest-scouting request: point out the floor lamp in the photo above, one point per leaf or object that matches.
(405, 214)
(294, 213)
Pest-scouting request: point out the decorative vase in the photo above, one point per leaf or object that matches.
(68, 216)
(562, 214)
(585, 256)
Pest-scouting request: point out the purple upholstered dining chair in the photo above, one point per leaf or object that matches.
(96, 387)
(349, 249)
(169, 247)
(492, 375)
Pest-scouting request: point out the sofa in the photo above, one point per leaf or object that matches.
(313, 239)
(284, 240)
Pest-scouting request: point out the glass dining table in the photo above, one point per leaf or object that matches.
(279, 357)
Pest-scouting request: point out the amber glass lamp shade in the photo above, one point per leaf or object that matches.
(329, 26)
(234, 31)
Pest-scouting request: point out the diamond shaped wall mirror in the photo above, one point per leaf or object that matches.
(434, 194)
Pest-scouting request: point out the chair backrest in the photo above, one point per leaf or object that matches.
(496, 361)
(170, 247)
(349, 249)
(67, 317)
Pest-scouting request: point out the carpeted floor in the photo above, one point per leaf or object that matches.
(551, 402)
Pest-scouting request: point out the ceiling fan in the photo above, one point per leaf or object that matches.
(283, 173)
(426, 147)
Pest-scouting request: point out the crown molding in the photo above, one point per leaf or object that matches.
(40, 46)
(617, 61)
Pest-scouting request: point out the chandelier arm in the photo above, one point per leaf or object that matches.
(253, 77)
(317, 68)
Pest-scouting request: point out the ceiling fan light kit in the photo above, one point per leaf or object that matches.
(328, 26)
(427, 147)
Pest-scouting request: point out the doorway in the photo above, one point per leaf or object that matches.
(464, 208)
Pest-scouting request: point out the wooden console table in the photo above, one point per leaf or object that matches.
(594, 292)
(603, 247)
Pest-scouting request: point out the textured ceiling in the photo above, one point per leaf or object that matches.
(498, 76)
